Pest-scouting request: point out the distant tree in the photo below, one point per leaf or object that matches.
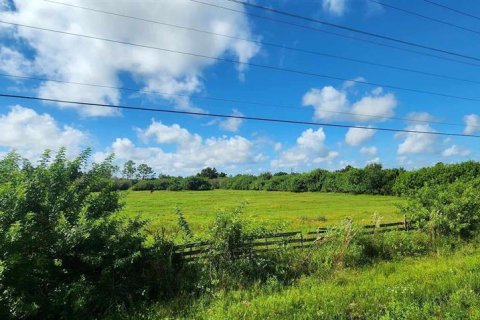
(210, 173)
(222, 175)
(197, 183)
(129, 169)
(145, 172)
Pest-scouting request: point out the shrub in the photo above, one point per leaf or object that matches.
(62, 255)
(197, 183)
(452, 209)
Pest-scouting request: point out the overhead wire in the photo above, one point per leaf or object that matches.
(413, 13)
(452, 9)
(265, 43)
(340, 35)
(351, 29)
(222, 99)
(251, 64)
(217, 115)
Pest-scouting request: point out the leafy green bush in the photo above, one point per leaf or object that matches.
(452, 209)
(197, 184)
(62, 255)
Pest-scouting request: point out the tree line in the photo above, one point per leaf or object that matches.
(66, 253)
(372, 179)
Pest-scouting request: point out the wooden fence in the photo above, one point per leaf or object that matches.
(292, 239)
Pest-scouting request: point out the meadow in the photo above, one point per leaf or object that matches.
(291, 211)
(432, 287)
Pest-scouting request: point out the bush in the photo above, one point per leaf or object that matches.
(197, 183)
(452, 209)
(62, 255)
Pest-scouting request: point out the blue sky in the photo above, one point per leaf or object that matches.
(180, 144)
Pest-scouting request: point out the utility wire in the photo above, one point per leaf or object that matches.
(221, 99)
(347, 28)
(452, 9)
(387, 5)
(251, 64)
(275, 45)
(345, 36)
(217, 115)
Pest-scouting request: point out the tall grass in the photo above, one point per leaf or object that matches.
(443, 287)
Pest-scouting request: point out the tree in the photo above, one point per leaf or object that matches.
(62, 253)
(209, 173)
(145, 172)
(129, 169)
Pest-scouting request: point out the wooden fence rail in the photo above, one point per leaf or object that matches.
(292, 239)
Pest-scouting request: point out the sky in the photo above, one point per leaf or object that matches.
(179, 144)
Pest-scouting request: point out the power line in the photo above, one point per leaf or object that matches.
(251, 64)
(347, 28)
(345, 36)
(275, 45)
(221, 99)
(216, 115)
(452, 9)
(387, 5)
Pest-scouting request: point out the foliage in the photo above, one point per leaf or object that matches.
(129, 169)
(446, 287)
(145, 172)
(61, 253)
(211, 173)
(452, 209)
(231, 259)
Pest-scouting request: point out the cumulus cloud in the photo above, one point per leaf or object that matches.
(232, 124)
(77, 59)
(472, 123)
(309, 148)
(190, 153)
(13, 62)
(31, 133)
(371, 151)
(335, 7)
(374, 160)
(330, 103)
(416, 143)
(454, 150)
(357, 136)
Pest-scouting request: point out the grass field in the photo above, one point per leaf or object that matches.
(423, 288)
(299, 211)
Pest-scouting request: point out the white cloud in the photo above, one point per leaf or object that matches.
(232, 124)
(472, 123)
(415, 143)
(309, 148)
(375, 105)
(454, 150)
(357, 136)
(190, 151)
(330, 103)
(31, 133)
(335, 7)
(371, 151)
(374, 160)
(13, 62)
(71, 58)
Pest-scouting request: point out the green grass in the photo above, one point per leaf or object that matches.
(423, 288)
(296, 211)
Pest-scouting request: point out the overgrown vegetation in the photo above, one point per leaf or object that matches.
(373, 179)
(65, 253)
(61, 253)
